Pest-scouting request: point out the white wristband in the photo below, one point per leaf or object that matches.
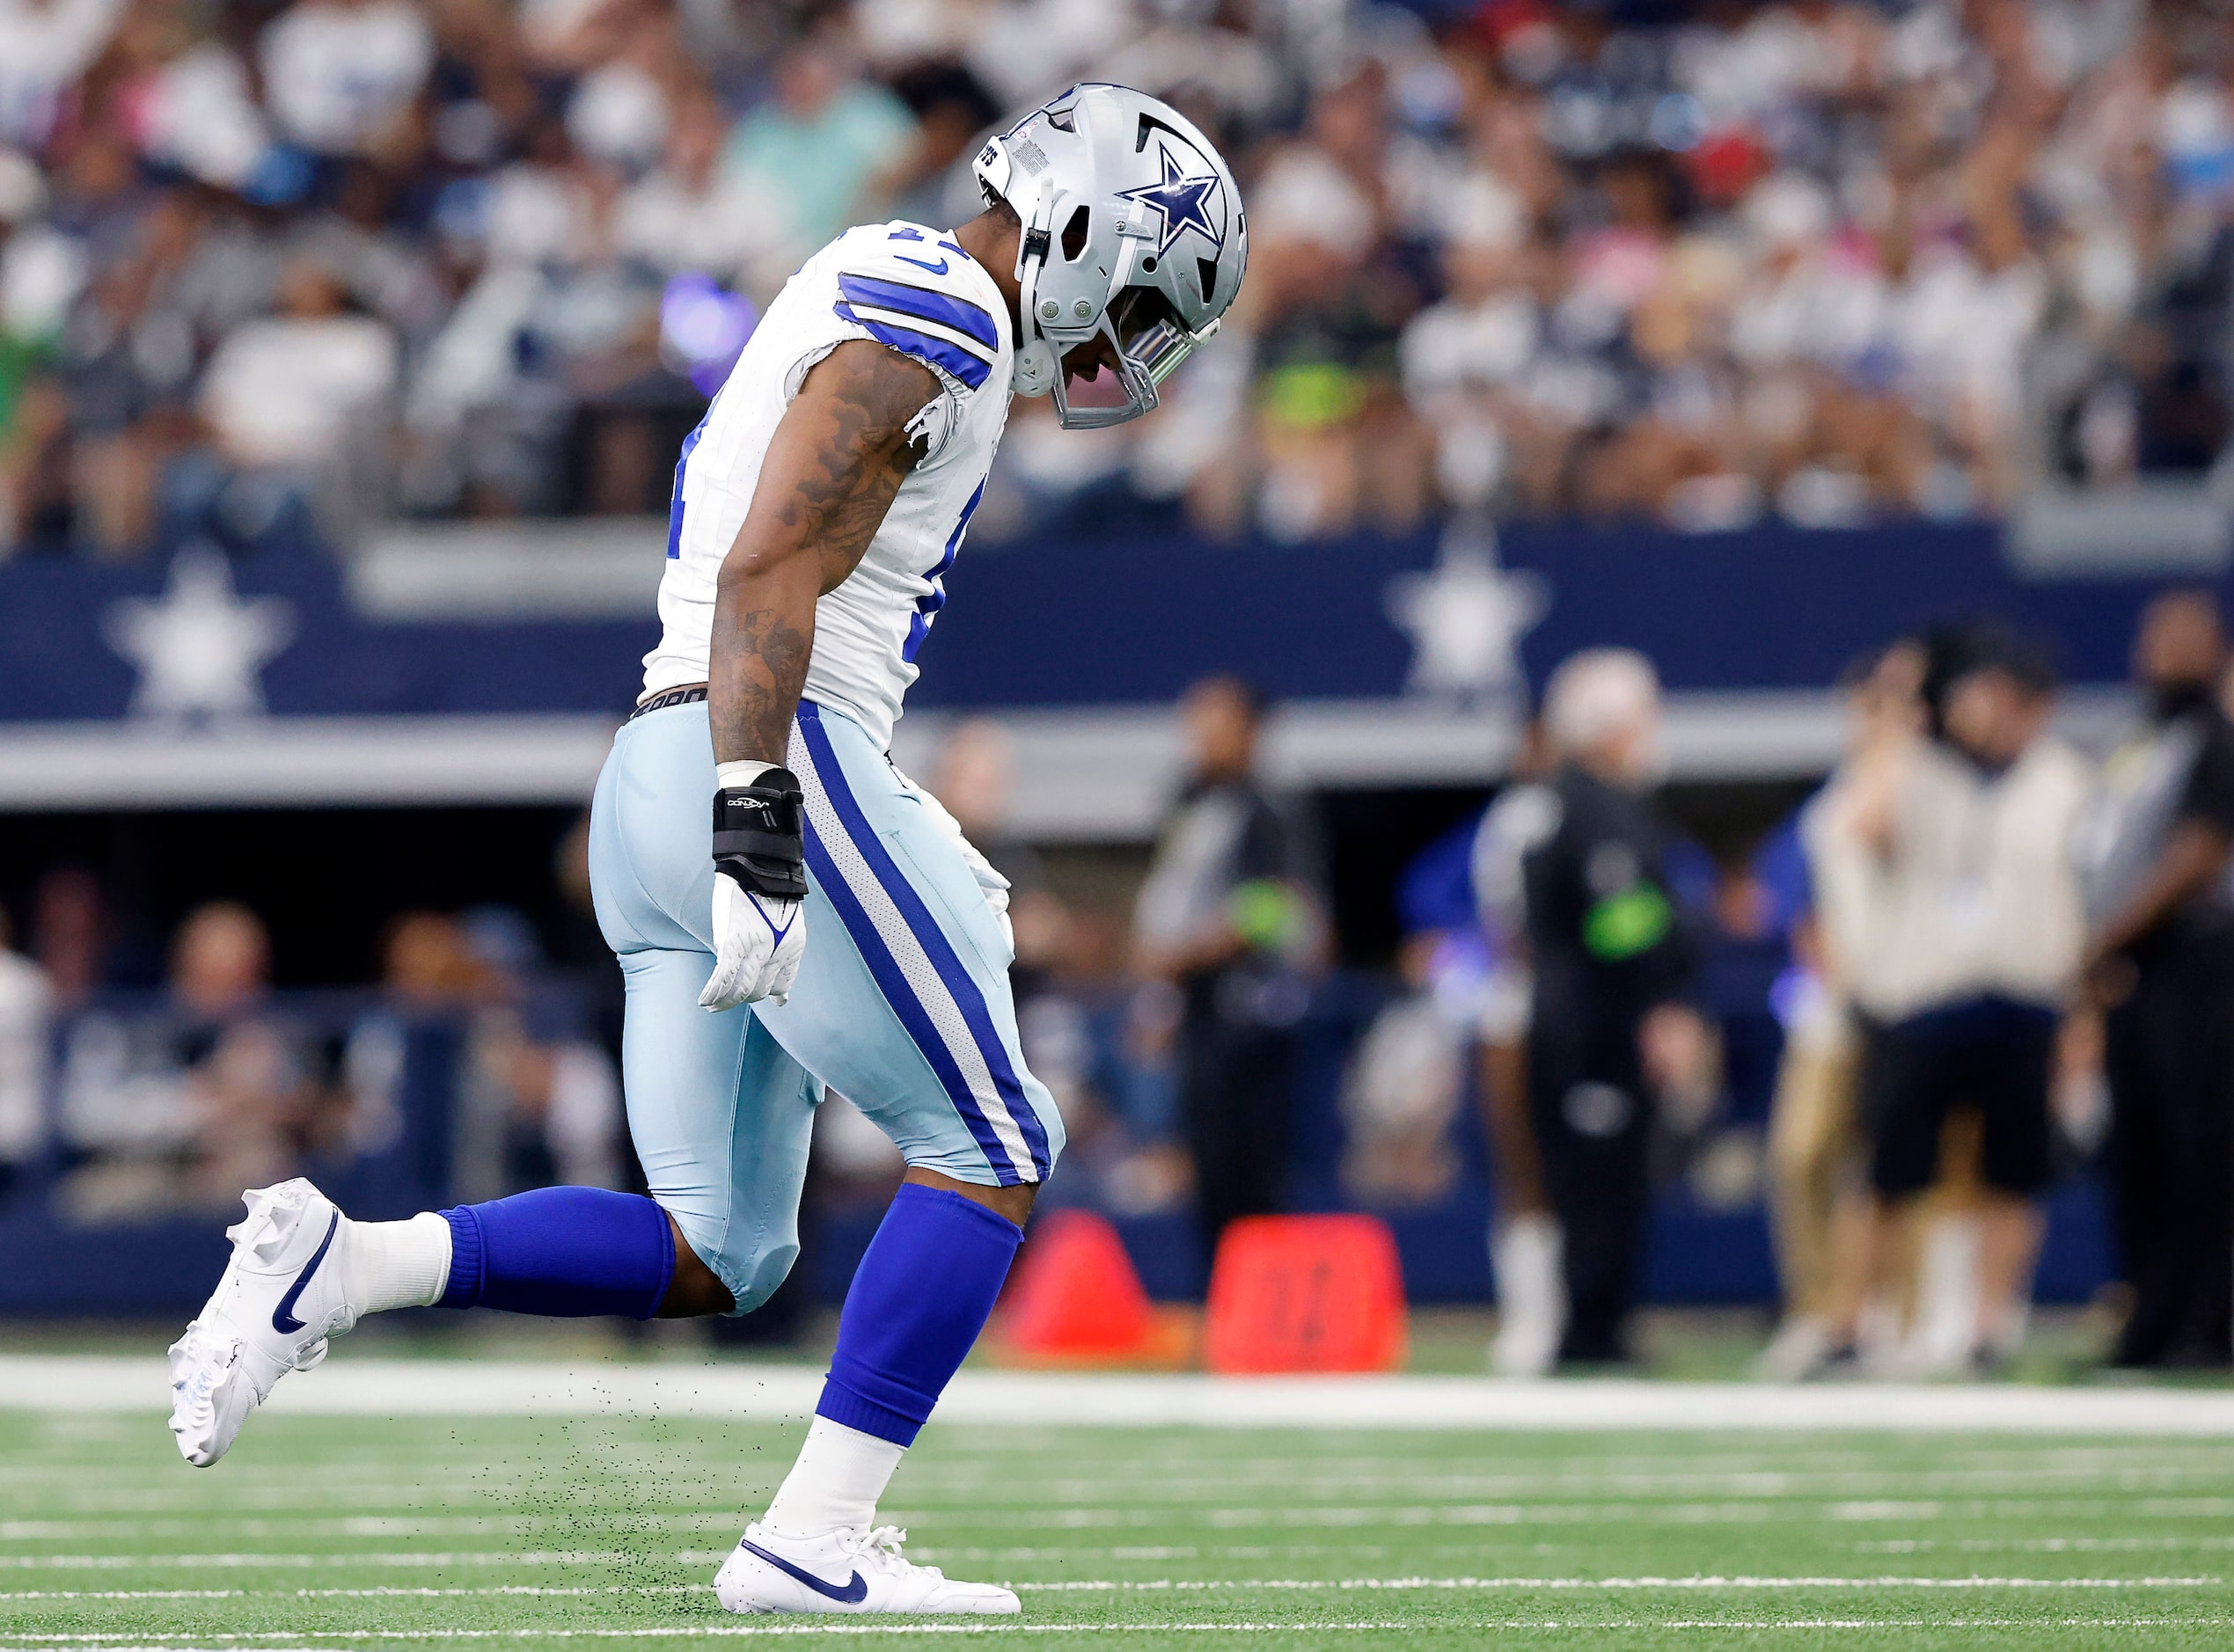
(746, 771)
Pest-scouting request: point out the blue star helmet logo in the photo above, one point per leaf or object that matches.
(1182, 201)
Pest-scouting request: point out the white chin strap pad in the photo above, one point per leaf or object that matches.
(1035, 367)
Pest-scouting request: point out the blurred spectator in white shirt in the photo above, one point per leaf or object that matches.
(197, 111)
(282, 392)
(44, 46)
(337, 72)
(686, 215)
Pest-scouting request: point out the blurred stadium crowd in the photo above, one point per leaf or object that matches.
(1834, 261)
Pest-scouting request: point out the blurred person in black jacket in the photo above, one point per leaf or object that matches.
(1610, 1027)
(1227, 918)
(2161, 958)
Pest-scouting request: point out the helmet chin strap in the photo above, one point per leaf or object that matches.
(1037, 365)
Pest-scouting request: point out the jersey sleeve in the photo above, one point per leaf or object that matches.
(910, 289)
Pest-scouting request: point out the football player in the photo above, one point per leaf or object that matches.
(832, 926)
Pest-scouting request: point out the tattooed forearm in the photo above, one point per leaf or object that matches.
(832, 468)
(759, 667)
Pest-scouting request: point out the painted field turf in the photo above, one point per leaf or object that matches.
(348, 1532)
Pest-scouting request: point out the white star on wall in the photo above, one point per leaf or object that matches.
(1465, 619)
(200, 647)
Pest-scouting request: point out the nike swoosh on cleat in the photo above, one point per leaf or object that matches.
(850, 1592)
(283, 1319)
(939, 269)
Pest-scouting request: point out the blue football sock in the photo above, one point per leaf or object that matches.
(918, 1300)
(569, 1253)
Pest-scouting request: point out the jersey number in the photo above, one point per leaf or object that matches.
(928, 604)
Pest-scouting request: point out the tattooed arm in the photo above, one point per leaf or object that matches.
(837, 459)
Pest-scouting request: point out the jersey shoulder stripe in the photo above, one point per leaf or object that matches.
(926, 341)
(920, 304)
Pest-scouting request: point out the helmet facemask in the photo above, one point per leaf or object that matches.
(1144, 343)
(1106, 183)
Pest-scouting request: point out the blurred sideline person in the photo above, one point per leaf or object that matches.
(750, 800)
(1225, 918)
(1610, 1025)
(972, 776)
(26, 1013)
(1818, 1201)
(1978, 924)
(2161, 957)
(1524, 1234)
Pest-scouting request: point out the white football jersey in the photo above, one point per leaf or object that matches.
(916, 291)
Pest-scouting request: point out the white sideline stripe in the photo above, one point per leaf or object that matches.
(343, 1557)
(385, 1387)
(2040, 1545)
(1157, 1585)
(134, 1641)
(1630, 1583)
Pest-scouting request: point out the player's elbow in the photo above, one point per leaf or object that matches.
(750, 568)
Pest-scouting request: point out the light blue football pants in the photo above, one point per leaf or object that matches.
(901, 1002)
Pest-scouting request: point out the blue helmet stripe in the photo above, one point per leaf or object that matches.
(923, 303)
(972, 370)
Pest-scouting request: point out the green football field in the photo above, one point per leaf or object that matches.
(336, 1532)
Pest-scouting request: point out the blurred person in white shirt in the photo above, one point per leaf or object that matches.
(44, 44)
(26, 1011)
(1461, 357)
(686, 215)
(1818, 1196)
(337, 73)
(1524, 1237)
(283, 392)
(1969, 959)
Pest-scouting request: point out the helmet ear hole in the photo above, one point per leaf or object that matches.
(1207, 268)
(1075, 235)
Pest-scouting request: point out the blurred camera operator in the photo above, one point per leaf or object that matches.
(1610, 1026)
(2161, 959)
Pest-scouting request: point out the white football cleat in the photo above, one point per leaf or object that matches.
(843, 1570)
(278, 1300)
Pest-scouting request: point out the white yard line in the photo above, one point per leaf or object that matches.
(1624, 1583)
(233, 1561)
(2041, 1545)
(276, 1641)
(1166, 1585)
(387, 1387)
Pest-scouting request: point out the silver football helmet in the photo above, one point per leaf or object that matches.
(1132, 232)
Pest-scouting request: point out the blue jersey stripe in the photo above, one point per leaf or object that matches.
(972, 371)
(675, 500)
(939, 950)
(924, 302)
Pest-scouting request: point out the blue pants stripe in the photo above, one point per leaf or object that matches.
(937, 948)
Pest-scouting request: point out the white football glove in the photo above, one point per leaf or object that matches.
(761, 940)
(990, 884)
(760, 885)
